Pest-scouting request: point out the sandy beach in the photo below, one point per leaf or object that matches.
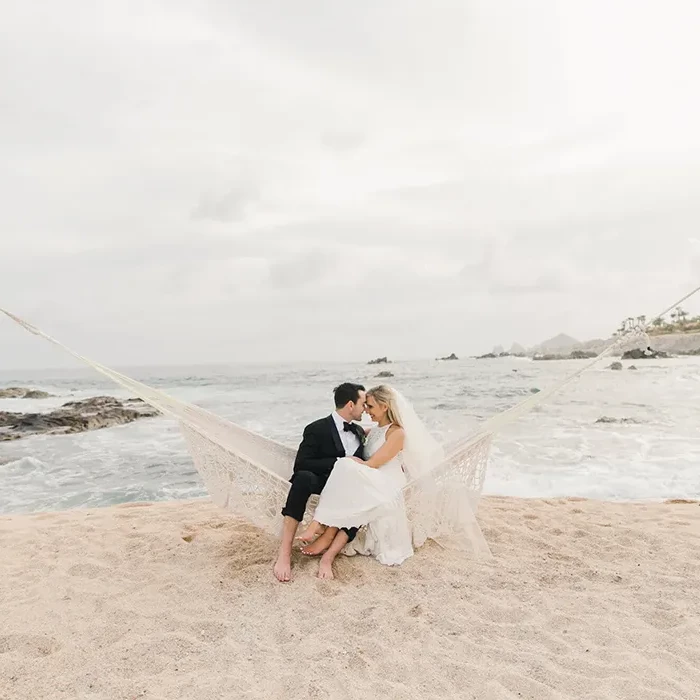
(176, 600)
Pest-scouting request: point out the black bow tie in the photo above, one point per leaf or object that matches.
(348, 427)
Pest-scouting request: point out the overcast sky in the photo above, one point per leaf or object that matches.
(221, 180)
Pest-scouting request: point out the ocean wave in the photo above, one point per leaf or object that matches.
(556, 450)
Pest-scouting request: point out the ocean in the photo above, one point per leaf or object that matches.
(556, 450)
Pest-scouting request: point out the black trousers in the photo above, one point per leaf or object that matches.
(304, 484)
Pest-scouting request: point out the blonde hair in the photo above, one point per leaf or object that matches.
(384, 395)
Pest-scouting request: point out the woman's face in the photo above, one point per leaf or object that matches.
(376, 411)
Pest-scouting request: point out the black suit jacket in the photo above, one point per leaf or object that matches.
(321, 446)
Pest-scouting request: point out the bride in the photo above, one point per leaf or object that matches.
(369, 491)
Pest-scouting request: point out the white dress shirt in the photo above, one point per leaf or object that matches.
(350, 441)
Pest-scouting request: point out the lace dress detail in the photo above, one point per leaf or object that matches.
(354, 489)
(375, 440)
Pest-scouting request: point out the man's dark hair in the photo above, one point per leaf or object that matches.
(347, 392)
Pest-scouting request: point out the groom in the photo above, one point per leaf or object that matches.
(324, 441)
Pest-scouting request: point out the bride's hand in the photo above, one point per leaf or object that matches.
(358, 460)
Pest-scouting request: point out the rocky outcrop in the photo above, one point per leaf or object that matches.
(384, 375)
(379, 361)
(639, 354)
(616, 366)
(677, 343)
(74, 417)
(16, 392)
(573, 355)
(562, 346)
(582, 355)
(608, 419)
(449, 357)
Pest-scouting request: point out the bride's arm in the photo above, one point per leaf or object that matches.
(389, 450)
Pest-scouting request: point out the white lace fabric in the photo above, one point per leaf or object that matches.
(356, 494)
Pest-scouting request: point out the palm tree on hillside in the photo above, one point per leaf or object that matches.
(679, 316)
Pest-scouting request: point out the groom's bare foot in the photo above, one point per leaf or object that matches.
(283, 568)
(325, 568)
(321, 544)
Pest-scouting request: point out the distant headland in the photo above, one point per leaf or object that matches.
(677, 335)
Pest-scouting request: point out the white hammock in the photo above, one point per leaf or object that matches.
(249, 474)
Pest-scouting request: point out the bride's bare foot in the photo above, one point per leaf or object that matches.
(321, 544)
(283, 568)
(325, 568)
(308, 535)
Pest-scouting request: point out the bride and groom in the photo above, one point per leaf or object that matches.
(359, 475)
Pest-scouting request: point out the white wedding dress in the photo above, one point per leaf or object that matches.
(353, 489)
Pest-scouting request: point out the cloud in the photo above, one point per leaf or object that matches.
(343, 140)
(304, 270)
(230, 207)
(185, 181)
(543, 284)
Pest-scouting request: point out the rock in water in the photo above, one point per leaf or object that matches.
(36, 394)
(582, 355)
(639, 354)
(13, 392)
(384, 375)
(449, 357)
(73, 417)
(608, 419)
(17, 392)
(616, 365)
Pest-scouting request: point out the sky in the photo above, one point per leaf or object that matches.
(198, 181)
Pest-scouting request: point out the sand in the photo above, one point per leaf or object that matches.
(177, 600)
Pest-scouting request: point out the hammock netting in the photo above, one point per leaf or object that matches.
(248, 474)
